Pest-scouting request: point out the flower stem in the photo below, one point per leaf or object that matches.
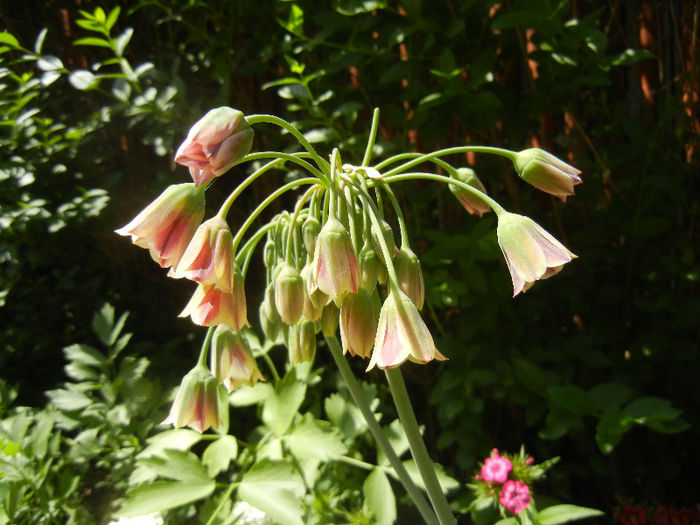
(202, 361)
(372, 137)
(381, 439)
(420, 454)
(510, 155)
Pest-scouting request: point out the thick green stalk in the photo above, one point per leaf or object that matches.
(426, 467)
(379, 436)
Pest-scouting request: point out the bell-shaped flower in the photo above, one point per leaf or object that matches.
(530, 252)
(166, 226)
(301, 342)
(269, 316)
(209, 258)
(470, 202)
(210, 306)
(289, 294)
(546, 172)
(215, 143)
(401, 335)
(231, 359)
(196, 402)
(335, 265)
(329, 320)
(314, 299)
(358, 323)
(410, 275)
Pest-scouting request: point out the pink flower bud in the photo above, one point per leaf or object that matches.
(470, 202)
(196, 402)
(358, 323)
(496, 468)
(335, 265)
(515, 496)
(166, 226)
(215, 143)
(410, 276)
(546, 172)
(231, 360)
(530, 252)
(209, 306)
(289, 294)
(208, 258)
(401, 335)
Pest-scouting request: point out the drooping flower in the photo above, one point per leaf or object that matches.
(515, 496)
(166, 226)
(496, 468)
(210, 306)
(301, 342)
(401, 335)
(196, 403)
(231, 359)
(208, 258)
(289, 294)
(329, 320)
(546, 172)
(335, 265)
(215, 143)
(530, 252)
(410, 275)
(369, 267)
(314, 299)
(470, 202)
(358, 323)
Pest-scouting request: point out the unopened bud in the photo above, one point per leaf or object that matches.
(289, 294)
(410, 276)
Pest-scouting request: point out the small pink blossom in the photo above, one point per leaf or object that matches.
(515, 496)
(496, 468)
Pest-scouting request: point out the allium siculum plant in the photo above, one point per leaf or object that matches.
(332, 263)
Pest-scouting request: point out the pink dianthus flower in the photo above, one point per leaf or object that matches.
(515, 496)
(496, 468)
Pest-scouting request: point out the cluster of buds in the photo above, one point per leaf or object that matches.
(505, 480)
(332, 264)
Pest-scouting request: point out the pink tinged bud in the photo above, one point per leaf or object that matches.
(401, 335)
(335, 266)
(496, 468)
(209, 257)
(209, 306)
(546, 172)
(410, 276)
(289, 294)
(515, 496)
(470, 202)
(196, 402)
(358, 323)
(530, 252)
(314, 299)
(231, 359)
(215, 143)
(166, 226)
(301, 342)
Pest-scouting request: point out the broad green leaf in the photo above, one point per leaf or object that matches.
(112, 18)
(49, 77)
(68, 400)
(446, 482)
(560, 514)
(246, 395)
(176, 439)
(39, 437)
(397, 438)
(9, 39)
(529, 375)
(344, 415)
(162, 495)
(508, 521)
(282, 405)
(607, 396)
(313, 439)
(103, 320)
(179, 465)
(86, 355)
(651, 406)
(82, 79)
(122, 41)
(219, 454)
(39, 42)
(275, 488)
(610, 429)
(379, 497)
(572, 398)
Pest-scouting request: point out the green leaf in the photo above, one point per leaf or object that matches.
(651, 406)
(379, 497)
(67, 400)
(219, 454)
(559, 514)
(92, 41)
(162, 495)
(313, 439)
(9, 39)
(112, 18)
(122, 41)
(83, 80)
(529, 375)
(275, 488)
(246, 395)
(344, 415)
(103, 321)
(608, 396)
(179, 465)
(178, 439)
(281, 407)
(49, 63)
(572, 398)
(357, 7)
(610, 429)
(86, 355)
(39, 42)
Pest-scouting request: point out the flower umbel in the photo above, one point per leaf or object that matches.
(215, 143)
(196, 402)
(530, 252)
(166, 226)
(546, 172)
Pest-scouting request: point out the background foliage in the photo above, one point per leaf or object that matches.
(597, 366)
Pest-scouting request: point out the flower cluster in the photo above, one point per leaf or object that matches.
(631, 514)
(504, 480)
(332, 264)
